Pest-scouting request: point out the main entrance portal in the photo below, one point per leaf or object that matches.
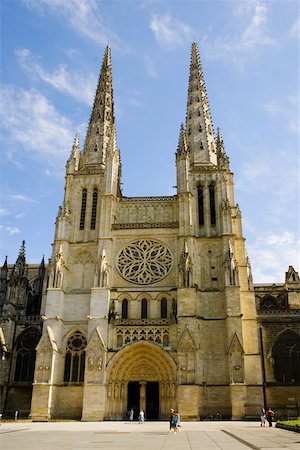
(141, 376)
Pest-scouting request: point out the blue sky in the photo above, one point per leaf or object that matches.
(51, 54)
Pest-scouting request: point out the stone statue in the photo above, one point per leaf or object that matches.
(185, 267)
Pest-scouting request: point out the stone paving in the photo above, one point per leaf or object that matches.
(145, 436)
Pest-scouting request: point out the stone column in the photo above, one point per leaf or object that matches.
(143, 395)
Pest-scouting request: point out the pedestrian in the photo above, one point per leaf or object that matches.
(175, 422)
(270, 416)
(171, 418)
(131, 414)
(263, 417)
(141, 416)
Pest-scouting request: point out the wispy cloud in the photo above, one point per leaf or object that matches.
(170, 32)
(150, 66)
(85, 17)
(287, 110)
(295, 29)
(10, 230)
(252, 34)
(4, 212)
(272, 253)
(22, 198)
(29, 119)
(79, 85)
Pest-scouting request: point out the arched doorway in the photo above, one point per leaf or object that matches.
(141, 376)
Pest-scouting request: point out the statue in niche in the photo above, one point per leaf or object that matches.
(231, 271)
(109, 390)
(60, 267)
(122, 391)
(185, 267)
(173, 314)
(101, 271)
(116, 390)
(112, 314)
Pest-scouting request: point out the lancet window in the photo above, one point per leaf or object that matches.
(75, 358)
(200, 205)
(163, 308)
(125, 308)
(94, 209)
(212, 204)
(83, 209)
(144, 309)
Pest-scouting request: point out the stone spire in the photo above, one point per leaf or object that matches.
(223, 160)
(199, 128)
(182, 148)
(73, 161)
(102, 117)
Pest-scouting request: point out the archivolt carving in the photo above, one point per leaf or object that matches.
(145, 261)
(141, 360)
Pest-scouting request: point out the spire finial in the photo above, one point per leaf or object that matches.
(22, 250)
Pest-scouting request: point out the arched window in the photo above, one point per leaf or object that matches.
(125, 308)
(200, 205)
(286, 355)
(163, 308)
(83, 209)
(144, 308)
(94, 209)
(212, 205)
(25, 355)
(165, 340)
(75, 358)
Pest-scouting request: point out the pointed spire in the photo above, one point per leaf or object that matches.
(102, 117)
(199, 128)
(223, 160)
(182, 148)
(22, 251)
(4, 267)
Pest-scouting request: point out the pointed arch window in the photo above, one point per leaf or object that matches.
(144, 309)
(94, 209)
(212, 204)
(75, 358)
(125, 308)
(286, 355)
(83, 209)
(200, 205)
(163, 308)
(25, 356)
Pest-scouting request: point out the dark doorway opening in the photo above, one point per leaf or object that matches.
(152, 400)
(134, 398)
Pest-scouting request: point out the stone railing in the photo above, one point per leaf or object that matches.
(143, 322)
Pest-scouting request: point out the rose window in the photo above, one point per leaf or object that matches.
(145, 261)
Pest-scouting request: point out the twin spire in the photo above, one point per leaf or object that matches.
(196, 138)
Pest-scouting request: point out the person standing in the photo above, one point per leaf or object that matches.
(270, 416)
(263, 417)
(131, 414)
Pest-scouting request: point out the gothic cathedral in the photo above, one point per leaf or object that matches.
(149, 302)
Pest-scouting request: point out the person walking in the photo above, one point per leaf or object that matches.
(263, 418)
(141, 416)
(171, 419)
(175, 422)
(270, 416)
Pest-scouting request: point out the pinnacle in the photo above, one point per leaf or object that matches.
(22, 250)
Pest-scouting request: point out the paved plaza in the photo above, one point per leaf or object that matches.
(146, 436)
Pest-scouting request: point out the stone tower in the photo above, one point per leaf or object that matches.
(149, 301)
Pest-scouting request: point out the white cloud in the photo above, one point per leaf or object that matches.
(252, 35)
(10, 230)
(80, 86)
(32, 121)
(295, 29)
(169, 32)
(22, 198)
(20, 216)
(287, 109)
(84, 16)
(271, 254)
(4, 212)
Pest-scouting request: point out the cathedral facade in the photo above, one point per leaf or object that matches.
(149, 302)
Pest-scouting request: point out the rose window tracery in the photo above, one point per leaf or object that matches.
(145, 261)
